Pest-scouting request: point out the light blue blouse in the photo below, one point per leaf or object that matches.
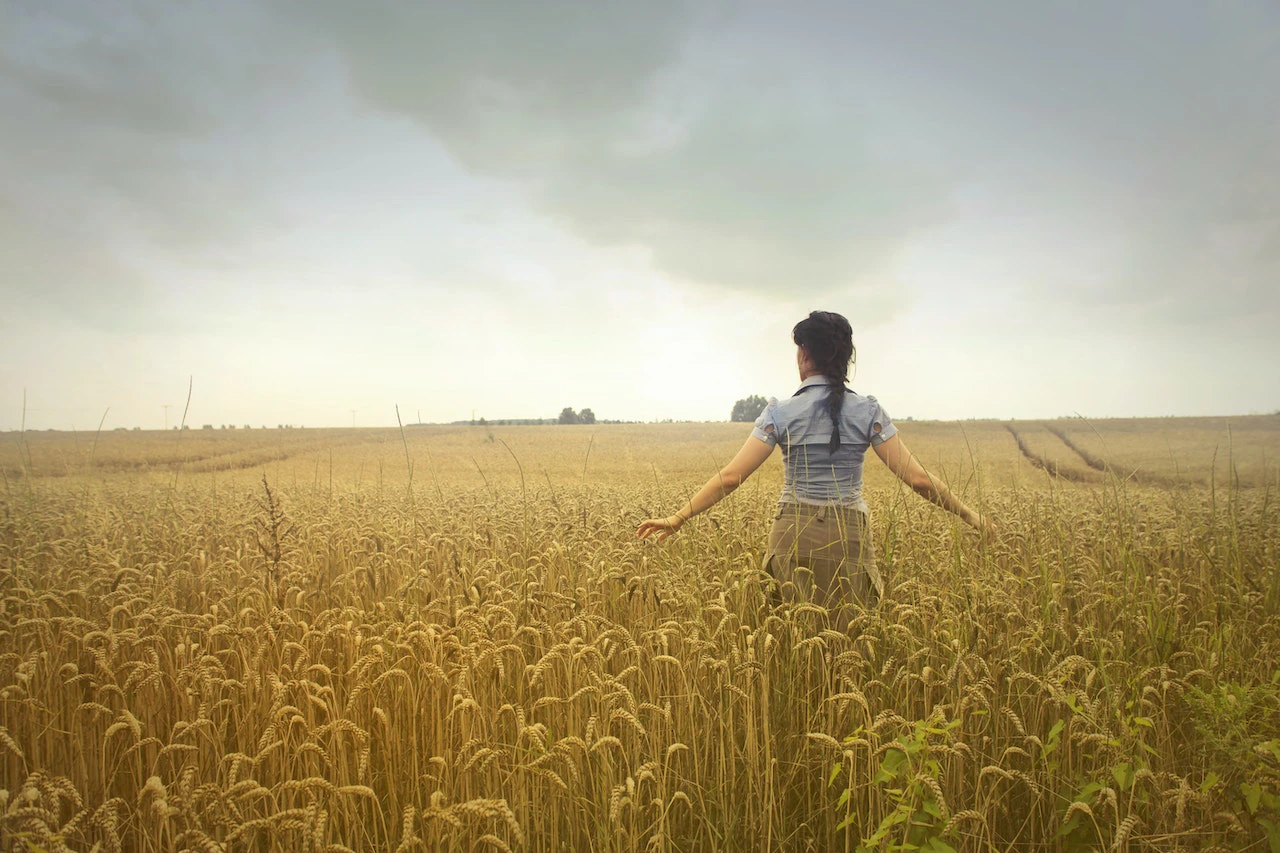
(800, 425)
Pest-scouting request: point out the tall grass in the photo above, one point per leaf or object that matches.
(507, 668)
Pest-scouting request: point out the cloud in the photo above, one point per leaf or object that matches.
(797, 149)
(124, 157)
(652, 125)
(159, 155)
(1143, 136)
(51, 265)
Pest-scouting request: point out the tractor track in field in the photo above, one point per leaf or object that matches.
(1045, 465)
(1087, 458)
(236, 460)
(1132, 475)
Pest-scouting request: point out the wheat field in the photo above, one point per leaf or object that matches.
(449, 638)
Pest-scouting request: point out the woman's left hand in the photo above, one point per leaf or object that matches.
(664, 527)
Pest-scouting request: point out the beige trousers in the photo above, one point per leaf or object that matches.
(823, 555)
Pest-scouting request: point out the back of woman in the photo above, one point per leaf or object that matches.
(801, 427)
(820, 547)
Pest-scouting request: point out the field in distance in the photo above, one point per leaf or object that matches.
(450, 638)
(1161, 451)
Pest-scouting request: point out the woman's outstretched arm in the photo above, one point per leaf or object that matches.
(894, 453)
(742, 466)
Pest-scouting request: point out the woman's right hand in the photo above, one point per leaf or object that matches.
(664, 527)
(981, 523)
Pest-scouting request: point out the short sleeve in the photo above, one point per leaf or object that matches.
(766, 428)
(881, 428)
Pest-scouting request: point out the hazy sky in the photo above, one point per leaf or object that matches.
(1025, 209)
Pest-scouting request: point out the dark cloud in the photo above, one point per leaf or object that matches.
(513, 86)
(51, 266)
(789, 149)
(125, 146)
(632, 125)
(796, 147)
(1148, 127)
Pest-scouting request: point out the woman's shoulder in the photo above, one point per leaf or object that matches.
(868, 418)
(856, 403)
(787, 406)
(863, 399)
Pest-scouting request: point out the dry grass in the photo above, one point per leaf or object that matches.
(492, 661)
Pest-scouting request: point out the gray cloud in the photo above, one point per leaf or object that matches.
(632, 124)
(50, 264)
(125, 153)
(1146, 126)
(796, 148)
(789, 149)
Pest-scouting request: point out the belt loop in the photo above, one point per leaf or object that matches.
(822, 513)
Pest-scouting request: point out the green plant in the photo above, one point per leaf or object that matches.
(908, 778)
(1232, 720)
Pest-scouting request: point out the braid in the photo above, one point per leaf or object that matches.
(835, 401)
(828, 338)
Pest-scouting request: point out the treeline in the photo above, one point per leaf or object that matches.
(567, 416)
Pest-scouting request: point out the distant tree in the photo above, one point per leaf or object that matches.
(586, 416)
(568, 416)
(748, 408)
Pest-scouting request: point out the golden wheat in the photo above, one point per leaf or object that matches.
(498, 666)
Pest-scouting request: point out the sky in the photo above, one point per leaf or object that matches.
(315, 212)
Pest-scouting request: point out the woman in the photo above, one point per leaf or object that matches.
(819, 548)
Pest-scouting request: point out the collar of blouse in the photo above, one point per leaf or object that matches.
(816, 379)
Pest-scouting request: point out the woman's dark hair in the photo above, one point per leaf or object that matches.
(828, 339)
